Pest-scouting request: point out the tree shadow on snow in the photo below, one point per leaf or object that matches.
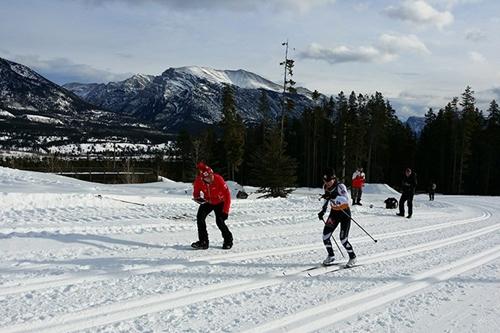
(86, 239)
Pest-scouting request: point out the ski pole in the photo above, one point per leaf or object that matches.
(129, 202)
(338, 247)
(366, 232)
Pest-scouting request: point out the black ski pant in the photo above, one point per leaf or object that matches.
(406, 197)
(203, 212)
(335, 218)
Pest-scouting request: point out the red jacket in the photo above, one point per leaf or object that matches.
(358, 179)
(214, 193)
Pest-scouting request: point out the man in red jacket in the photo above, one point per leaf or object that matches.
(217, 198)
(358, 181)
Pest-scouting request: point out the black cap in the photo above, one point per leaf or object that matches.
(329, 174)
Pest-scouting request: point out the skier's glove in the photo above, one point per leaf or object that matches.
(320, 215)
(199, 200)
(326, 196)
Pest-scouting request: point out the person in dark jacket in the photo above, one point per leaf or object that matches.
(409, 183)
(217, 198)
(432, 190)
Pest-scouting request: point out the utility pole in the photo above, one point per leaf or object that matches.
(283, 104)
(344, 148)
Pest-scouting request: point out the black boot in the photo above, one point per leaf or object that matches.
(227, 245)
(200, 245)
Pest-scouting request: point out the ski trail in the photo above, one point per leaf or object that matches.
(126, 310)
(300, 248)
(327, 314)
(87, 277)
(397, 253)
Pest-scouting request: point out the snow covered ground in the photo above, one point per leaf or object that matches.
(71, 261)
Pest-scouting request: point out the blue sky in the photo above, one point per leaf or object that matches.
(418, 53)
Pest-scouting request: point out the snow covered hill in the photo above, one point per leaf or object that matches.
(239, 78)
(79, 256)
(188, 97)
(32, 106)
(22, 89)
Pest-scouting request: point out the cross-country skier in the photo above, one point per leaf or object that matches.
(217, 198)
(337, 197)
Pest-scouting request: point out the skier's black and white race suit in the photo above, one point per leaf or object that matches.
(338, 199)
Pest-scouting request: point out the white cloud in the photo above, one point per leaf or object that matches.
(452, 3)
(394, 44)
(341, 54)
(477, 57)
(419, 12)
(388, 48)
(62, 70)
(475, 35)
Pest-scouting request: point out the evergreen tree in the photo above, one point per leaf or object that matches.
(341, 121)
(234, 132)
(288, 87)
(469, 125)
(265, 113)
(275, 173)
(490, 143)
(377, 113)
(184, 147)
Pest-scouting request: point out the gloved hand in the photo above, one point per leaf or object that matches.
(224, 216)
(326, 196)
(199, 200)
(320, 215)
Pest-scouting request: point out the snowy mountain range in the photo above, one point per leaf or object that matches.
(187, 97)
(32, 106)
(22, 90)
(179, 98)
(416, 124)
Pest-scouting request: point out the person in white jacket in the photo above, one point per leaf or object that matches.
(337, 197)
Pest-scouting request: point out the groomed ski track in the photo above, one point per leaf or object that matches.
(76, 263)
(315, 318)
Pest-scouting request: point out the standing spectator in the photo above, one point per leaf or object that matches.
(217, 198)
(358, 181)
(336, 198)
(409, 183)
(432, 190)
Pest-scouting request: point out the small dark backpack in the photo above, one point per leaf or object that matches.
(242, 195)
(391, 203)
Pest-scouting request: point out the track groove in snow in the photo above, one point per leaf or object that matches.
(130, 309)
(327, 314)
(87, 277)
(85, 262)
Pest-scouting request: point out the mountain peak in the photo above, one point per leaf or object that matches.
(21, 70)
(240, 78)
